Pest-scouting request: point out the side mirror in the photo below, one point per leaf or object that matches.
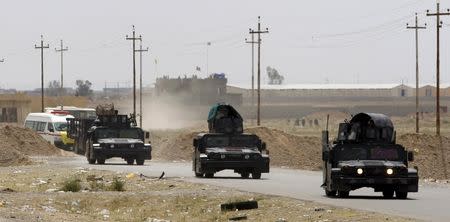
(263, 146)
(147, 135)
(410, 156)
(195, 142)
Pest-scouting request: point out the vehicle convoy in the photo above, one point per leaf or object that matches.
(227, 147)
(52, 127)
(109, 135)
(365, 154)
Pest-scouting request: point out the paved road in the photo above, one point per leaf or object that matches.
(431, 203)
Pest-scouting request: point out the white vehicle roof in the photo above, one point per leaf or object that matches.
(48, 117)
(70, 108)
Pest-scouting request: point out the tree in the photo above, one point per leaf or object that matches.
(274, 77)
(83, 88)
(53, 88)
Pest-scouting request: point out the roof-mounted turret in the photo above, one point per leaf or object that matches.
(223, 118)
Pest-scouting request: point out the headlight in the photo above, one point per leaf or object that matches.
(390, 171)
(111, 146)
(359, 171)
(96, 146)
(132, 145)
(247, 156)
(222, 156)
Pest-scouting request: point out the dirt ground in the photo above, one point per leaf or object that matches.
(18, 143)
(34, 193)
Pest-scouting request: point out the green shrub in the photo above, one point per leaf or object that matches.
(117, 185)
(71, 185)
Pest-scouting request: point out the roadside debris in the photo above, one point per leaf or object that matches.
(241, 205)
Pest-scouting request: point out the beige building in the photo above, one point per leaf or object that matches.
(14, 108)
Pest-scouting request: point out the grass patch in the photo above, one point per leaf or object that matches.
(117, 185)
(71, 185)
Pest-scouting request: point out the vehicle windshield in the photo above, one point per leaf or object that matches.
(235, 141)
(357, 153)
(117, 133)
(60, 126)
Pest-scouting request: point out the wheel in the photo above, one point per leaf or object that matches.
(388, 194)
(401, 195)
(331, 193)
(130, 161)
(245, 175)
(343, 194)
(256, 175)
(101, 161)
(198, 174)
(91, 161)
(140, 161)
(209, 175)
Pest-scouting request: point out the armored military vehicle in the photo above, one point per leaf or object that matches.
(227, 147)
(110, 135)
(365, 154)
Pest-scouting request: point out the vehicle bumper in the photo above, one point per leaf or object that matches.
(261, 165)
(124, 153)
(409, 183)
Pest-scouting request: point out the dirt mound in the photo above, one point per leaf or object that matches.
(428, 154)
(286, 150)
(18, 143)
(172, 145)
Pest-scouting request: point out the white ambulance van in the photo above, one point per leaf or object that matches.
(51, 126)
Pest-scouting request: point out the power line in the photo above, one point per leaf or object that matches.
(134, 38)
(416, 28)
(140, 50)
(42, 47)
(259, 32)
(438, 13)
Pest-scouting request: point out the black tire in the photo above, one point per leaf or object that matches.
(245, 175)
(91, 161)
(209, 175)
(256, 175)
(401, 195)
(130, 161)
(331, 193)
(388, 194)
(198, 174)
(343, 194)
(140, 162)
(101, 161)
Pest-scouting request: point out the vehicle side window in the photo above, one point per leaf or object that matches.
(41, 126)
(50, 127)
(29, 124)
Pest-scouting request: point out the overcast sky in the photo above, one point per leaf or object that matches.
(346, 41)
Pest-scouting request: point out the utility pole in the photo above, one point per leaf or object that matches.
(140, 50)
(416, 28)
(438, 26)
(259, 32)
(42, 47)
(134, 38)
(62, 50)
(253, 68)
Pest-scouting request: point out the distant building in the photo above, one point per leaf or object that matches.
(14, 108)
(194, 90)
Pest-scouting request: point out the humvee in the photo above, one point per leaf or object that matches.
(365, 154)
(110, 135)
(227, 147)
